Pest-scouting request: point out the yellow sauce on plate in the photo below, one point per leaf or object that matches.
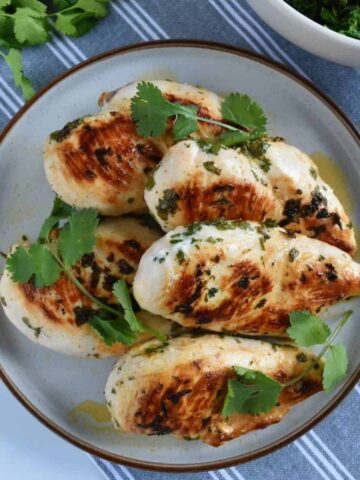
(93, 417)
(331, 173)
(97, 411)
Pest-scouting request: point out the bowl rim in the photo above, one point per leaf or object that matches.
(344, 39)
(238, 459)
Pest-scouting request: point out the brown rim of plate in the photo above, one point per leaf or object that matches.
(351, 381)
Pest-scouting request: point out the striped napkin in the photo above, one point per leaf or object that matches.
(331, 450)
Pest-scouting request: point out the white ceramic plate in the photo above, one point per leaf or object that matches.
(50, 384)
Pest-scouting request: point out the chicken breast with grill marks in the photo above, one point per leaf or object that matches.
(101, 162)
(208, 103)
(179, 388)
(192, 184)
(56, 316)
(241, 277)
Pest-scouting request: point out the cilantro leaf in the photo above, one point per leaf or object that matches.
(96, 7)
(336, 366)
(60, 211)
(229, 139)
(307, 329)
(13, 59)
(30, 26)
(243, 111)
(75, 24)
(77, 237)
(35, 5)
(46, 269)
(184, 126)
(121, 293)
(112, 331)
(80, 16)
(62, 4)
(66, 23)
(150, 110)
(37, 261)
(20, 265)
(25, 23)
(7, 35)
(251, 392)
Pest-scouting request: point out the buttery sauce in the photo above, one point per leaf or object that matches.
(97, 411)
(93, 417)
(331, 173)
(334, 176)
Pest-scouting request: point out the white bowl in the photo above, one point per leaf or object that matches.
(308, 34)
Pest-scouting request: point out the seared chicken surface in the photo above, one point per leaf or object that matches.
(101, 162)
(192, 184)
(208, 103)
(241, 277)
(179, 388)
(56, 316)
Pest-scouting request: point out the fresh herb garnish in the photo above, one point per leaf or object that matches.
(151, 111)
(24, 23)
(293, 254)
(52, 255)
(210, 167)
(36, 330)
(343, 16)
(253, 392)
(180, 257)
(167, 204)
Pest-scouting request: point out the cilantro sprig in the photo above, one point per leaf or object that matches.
(25, 23)
(243, 119)
(254, 393)
(52, 255)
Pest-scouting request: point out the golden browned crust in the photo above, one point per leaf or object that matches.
(314, 219)
(250, 305)
(189, 405)
(207, 130)
(63, 303)
(107, 148)
(223, 200)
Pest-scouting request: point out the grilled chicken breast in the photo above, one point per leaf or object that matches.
(101, 162)
(241, 277)
(191, 185)
(180, 388)
(56, 316)
(208, 103)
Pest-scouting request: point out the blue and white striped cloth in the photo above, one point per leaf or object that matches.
(331, 450)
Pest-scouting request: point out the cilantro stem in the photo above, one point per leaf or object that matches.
(184, 111)
(82, 289)
(327, 344)
(88, 294)
(72, 7)
(220, 124)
